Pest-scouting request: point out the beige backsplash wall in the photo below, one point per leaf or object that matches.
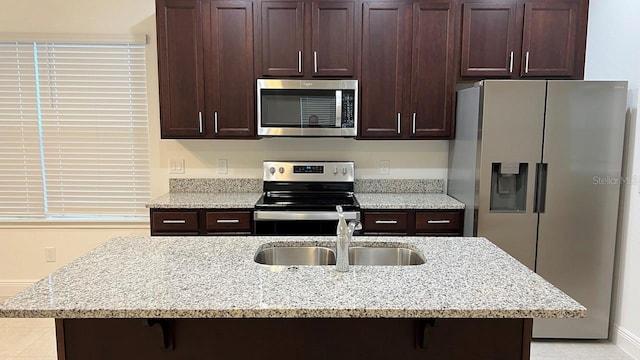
(408, 159)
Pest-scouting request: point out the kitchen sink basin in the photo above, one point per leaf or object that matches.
(320, 255)
(296, 255)
(362, 255)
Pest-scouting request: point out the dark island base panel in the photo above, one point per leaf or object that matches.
(283, 339)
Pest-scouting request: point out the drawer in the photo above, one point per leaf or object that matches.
(395, 222)
(172, 222)
(229, 221)
(437, 222)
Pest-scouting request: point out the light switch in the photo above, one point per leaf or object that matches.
(176, 166)
(385, 167)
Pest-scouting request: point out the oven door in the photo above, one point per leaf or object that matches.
(299, 222)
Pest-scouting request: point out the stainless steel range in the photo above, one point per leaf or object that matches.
(300, 198)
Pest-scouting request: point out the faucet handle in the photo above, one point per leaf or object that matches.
(354, 225)
(339, 208)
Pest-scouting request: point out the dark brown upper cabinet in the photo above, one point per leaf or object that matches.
(282, 29)
(332, 38)
(205, 59)
(433, 87)
(408, 78)
(523, 38)
(549, 38)
(307, 39)
(180, 62)
(488, 39)
(228, 53)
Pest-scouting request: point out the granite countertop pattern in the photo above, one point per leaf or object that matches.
(216, 277)
(408, 201)
(198, 200)
(243, 193)
(203, 200)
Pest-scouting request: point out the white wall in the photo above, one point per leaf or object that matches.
(22, 246)
(613, 52)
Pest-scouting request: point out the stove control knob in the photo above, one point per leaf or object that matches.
(281, 170)
(272, 170)
(335, 170)
(344, 171)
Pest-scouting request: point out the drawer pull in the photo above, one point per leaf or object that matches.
(174, 221)
(438, 221)
(227, 221)
(386, 221)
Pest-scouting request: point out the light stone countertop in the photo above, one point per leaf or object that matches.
(203, 200)
(408, 201)
(216, 277)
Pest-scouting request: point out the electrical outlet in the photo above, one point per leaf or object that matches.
(385, 166)
(50, 254)
(176, 166)
(222, 166)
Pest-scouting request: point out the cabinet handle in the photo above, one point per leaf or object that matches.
(386, 221)
(398, 123)
(300, 61)
(438, 221)
(526, 63)
(315, 62)
(215, 122)
(511, 63)
(227, 221)
(413, 123)
(200, 121)
(174, 221)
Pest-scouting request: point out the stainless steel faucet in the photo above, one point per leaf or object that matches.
(344, 235)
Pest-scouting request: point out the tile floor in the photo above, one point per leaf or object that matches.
(34, 339)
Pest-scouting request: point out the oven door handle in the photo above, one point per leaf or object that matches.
(262, 215)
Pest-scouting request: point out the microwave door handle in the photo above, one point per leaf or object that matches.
(338, 109)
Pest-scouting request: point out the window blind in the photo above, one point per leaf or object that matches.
(21, 187)
(90, 119)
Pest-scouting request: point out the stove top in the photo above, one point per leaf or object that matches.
(308, 186)
(307, 201)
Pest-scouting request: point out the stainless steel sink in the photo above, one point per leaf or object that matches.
(362, 255)
(320, 255)
(296, 255)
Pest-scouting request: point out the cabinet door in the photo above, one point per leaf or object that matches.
(439, 223)
(228, 221)
(432, 74)
(174, 222)
(549, 38)
(489, 39)
(282, 31)
(180, 68)
(228, 50)
(386, 49)
(385, 222)
(332, 40)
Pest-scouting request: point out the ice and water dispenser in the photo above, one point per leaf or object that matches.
(508, 187)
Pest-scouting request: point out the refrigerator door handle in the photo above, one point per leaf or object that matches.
(541, 188)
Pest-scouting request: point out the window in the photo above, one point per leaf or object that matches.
(73, 130)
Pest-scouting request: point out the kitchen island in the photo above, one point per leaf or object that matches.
(205, 297)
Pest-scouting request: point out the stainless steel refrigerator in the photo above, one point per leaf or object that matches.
(538, 165)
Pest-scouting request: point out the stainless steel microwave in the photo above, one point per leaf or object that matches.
(307, 107)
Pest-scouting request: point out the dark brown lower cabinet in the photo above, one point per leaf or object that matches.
(183, 222)
(413, 222)
(283, 339)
